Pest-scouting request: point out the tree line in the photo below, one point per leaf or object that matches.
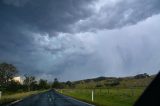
(30, 83)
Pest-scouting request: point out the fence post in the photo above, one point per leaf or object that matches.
(92, 95)
(132, 92)
(0, 94)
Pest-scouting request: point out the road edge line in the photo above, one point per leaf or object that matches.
(14, 102)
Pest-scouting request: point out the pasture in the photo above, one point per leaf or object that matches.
(106, 97)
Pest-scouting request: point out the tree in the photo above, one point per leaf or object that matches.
(139, 76)
(14, 86)
(113, 82)
(56, 83)
(70, 84)
(30, 82)
(7, 72)
(43, 84)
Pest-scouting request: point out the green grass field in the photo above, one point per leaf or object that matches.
(106, 97)
(7, 98)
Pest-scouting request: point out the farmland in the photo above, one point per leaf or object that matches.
(106, 97)
(109, 91)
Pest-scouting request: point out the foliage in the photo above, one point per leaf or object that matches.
(43, 84)
(7, 72)
(56, 83)
(99, 85)
(139, 76)
(14, 86)
(30, 82)
(70, 84)
(112, 83)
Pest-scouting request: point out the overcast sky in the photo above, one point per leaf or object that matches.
(78, 39)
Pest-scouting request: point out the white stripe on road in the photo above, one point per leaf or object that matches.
(12, 103)
(50, 99)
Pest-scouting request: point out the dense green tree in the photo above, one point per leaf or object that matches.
(43, 84)
(56, 83)
(7, 72)
(15, 86)
(70, 84)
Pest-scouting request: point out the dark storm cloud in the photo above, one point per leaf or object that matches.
(45, 15)
(21, 21)
(120, 14)
(37, 36)
(16, 46)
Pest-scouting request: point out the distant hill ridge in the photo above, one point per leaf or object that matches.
(139, 80)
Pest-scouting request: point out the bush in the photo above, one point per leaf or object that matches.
(112, 83)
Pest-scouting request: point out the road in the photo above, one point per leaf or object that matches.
(49, 98)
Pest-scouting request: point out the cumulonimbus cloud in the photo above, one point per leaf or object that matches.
(56, 37)
(119, 14)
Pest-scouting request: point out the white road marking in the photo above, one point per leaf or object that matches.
(12, 103)
(50, 99)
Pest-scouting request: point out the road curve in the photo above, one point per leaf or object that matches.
(50, 98)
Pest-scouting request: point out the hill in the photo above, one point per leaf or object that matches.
(140, 80)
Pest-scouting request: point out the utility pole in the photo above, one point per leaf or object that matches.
(29, 84)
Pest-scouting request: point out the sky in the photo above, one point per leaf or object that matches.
(79, 39)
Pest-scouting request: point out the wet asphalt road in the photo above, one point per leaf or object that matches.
(49, 98)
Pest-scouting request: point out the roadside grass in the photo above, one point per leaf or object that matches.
(106, 97)
(8, 98)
